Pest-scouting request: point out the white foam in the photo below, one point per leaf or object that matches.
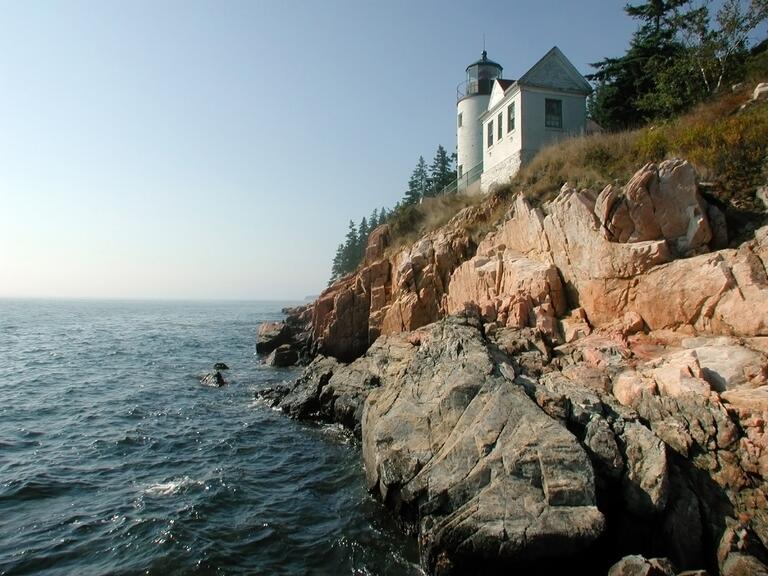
(172, 487)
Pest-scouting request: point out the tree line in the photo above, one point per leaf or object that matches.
(425, 182)
(681, 54)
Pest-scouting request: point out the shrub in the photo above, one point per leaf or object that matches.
(652, 145)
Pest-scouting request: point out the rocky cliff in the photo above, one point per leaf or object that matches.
(588, 381)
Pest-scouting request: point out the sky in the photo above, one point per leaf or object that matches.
(163, 149)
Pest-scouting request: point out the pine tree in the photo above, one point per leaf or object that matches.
(417, 184)
(629, 89)
(659, 15)
(373, 221)
(336, 267)
(350, 253)
(440, 172)
(362, 239)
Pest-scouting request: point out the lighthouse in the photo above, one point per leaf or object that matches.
(472, 101)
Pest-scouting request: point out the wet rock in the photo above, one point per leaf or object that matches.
(214, 379)
(302, 400)
(220, 366)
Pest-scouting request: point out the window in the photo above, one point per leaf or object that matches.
(501, 127)
(553, 113)
(511, 117)
(460, 119)
(461, 171)
(490, 133)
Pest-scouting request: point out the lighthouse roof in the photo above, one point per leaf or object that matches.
(484, 62)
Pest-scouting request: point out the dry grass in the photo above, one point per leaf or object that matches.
(583, 162)
(408, 223)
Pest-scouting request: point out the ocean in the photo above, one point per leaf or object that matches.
(114, 459)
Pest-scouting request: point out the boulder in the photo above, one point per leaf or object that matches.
(282, 356)
(302, 399)
(659, 202)
(762, 195)
(760, 92)
(214, 379)
(646, 484)
(271, 335)
(489, 475)
(729, 365)
(638, 566)
(506, 285)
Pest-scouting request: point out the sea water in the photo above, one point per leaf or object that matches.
(114, 459)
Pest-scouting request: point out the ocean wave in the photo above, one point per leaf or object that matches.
(40, 487)
(171, 487)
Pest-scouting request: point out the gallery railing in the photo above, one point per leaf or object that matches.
(464, 181)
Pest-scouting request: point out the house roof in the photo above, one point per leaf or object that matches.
(504, 83)
(554, 70)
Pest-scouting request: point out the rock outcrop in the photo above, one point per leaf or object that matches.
(644, 250)
(468, 461)
(500, 452)
(587, 383)
(287, 342)
(391, 293)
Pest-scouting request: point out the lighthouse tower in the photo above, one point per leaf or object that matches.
(473, 95)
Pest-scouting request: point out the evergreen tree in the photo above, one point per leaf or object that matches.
(350, 253)
(362, 239)
(626, 86)
(373, 220)
(440, 172)
(659, 15)
(678, 57)
(417, 184)
(336, 267)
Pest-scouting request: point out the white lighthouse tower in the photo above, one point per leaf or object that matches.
(472, 96)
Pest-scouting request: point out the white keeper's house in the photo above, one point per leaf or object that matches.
(501, 124)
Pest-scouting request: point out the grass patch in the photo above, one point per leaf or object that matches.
(584, 162)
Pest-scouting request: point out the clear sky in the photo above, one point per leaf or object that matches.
(162, 149)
